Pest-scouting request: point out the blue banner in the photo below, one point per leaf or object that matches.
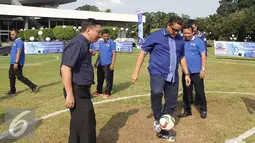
(140, 28)
(236, 49)
(126, 46)
(43, 47)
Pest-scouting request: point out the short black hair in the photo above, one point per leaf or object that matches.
(87, 23)
(175, 19)
(105, 31)
(187, 26)
(15, 30)
(192, 21)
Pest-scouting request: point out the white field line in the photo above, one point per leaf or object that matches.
(33, 64)
(5, 134)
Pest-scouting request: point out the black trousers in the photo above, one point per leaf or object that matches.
(83, 122)
(104, 72)
(18, 73)
(200, 92)
(170, 90)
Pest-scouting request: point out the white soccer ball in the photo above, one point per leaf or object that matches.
(167, 122)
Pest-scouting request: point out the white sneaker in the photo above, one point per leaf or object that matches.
(170, 138)
(157, 126)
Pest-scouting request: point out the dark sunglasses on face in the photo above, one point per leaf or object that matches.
(175, 30)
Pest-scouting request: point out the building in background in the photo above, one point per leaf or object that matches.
(25, 14)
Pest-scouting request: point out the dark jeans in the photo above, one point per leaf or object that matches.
(18, 73)
(83, 122)
(200, 92)
(104, 72)
(158, 86)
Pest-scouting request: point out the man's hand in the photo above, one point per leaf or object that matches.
(188, 80)
(92, 52)
(111, 66)
(134, 78)
(202, 74)
(15, 66)
(70, 101)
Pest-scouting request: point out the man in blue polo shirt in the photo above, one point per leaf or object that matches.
(77, 75)
(201, 36)
(196, 59)
(17, 61)
(105, 64)
(166, 48)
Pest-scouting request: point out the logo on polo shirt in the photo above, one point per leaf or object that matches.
(193, 44)
(108, 45)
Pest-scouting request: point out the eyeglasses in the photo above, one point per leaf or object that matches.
(175, 30)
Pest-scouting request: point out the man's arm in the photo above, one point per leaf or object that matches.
(184, 66)
(185, 69)
(18, 56)
(202, 50)
(113, 57)
(20, 48)
(69, 59)
(203, 56)
(113, 49)
(203, 37)
(67, 78)
(138, 66)
(147, 47)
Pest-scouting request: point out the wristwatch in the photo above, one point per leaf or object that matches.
(16, 62)
(203, 69)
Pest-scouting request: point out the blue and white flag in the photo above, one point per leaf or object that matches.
(140, 28)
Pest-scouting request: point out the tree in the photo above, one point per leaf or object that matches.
(231, 6)
(226, 7)
(88, 8)
(108, 10)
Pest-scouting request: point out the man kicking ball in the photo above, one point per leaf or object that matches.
(166, 48)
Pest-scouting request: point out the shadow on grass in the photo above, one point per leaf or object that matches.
(22, 91)
(109, 133)
(121, 86)
(250, 104)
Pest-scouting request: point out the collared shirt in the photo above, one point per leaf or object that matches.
(106, 49)
(165, 53)
(77, 56)
(18, 44)
(193, 50)
(202, 36)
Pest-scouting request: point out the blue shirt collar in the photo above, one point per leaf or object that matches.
(165, 33)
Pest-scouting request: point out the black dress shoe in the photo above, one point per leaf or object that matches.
(185, 114)
(11, 93)
(203, 114)
(35, 89)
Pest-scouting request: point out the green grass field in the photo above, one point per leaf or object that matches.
(230, 94)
